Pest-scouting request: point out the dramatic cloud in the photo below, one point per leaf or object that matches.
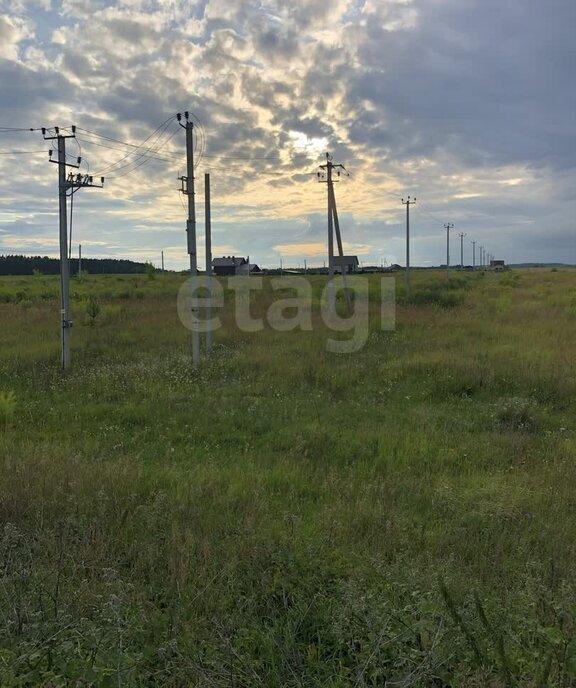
(470, 106)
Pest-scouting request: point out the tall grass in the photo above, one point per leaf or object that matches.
(282, 516)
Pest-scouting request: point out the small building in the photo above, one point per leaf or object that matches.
(346, 264)
(498, 265)
(230, 265)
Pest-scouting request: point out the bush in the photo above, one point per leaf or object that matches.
(92, 310)
(7, 407)
(516, 413)
(437, 296)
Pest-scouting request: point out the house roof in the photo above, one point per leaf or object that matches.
(346, 260)
(228, 262)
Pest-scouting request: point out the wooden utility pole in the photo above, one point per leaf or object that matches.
(188, 190)
(408, 203)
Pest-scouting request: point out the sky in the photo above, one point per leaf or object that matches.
(467, 105)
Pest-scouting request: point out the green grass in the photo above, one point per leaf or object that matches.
(283, 516)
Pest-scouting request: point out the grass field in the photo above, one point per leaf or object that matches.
(282, 516)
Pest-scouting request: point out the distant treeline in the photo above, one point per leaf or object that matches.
(29, 265)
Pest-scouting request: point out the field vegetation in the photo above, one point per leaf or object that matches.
(282, 516)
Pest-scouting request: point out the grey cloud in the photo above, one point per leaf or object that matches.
(275, 43)
(29, 91)
(485, 81)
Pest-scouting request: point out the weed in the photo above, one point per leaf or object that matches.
(516, 413)
(92, 310)
(7, 407)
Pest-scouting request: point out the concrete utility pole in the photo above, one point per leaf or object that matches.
(67, 185)
(473, 255)
(333, 224)
(449, 226)
(208, 239)
(481, 249)
(188, 190)
(408, 203)
(162, 262)
(462, 235)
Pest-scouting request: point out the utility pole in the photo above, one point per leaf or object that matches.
(67, 185)
(473, 255)
(208, 239)
(327, 176)
(188, 190)
(408, 203)
(481, 249)
(449, 226)
(162, 262)
(462, 235)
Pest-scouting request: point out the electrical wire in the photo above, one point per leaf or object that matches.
(153, 147)
(22, 152)
(136, 166)
(8, 130)
(115, 148)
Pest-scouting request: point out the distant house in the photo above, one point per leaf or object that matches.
(346, 264)
(253, 268)
(498, 265)
(230, 265)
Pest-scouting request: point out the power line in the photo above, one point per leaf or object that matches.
(8, 130)
(153, 147)
(115, 148)
(22, 152)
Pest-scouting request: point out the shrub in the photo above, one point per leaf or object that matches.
(92, 310)
(516, 413)
(7, 407)
(438, 296)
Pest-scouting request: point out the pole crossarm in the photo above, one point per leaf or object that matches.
(83, 181)
(58, 134)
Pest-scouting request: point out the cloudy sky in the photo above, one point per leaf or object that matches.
(469, 105)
